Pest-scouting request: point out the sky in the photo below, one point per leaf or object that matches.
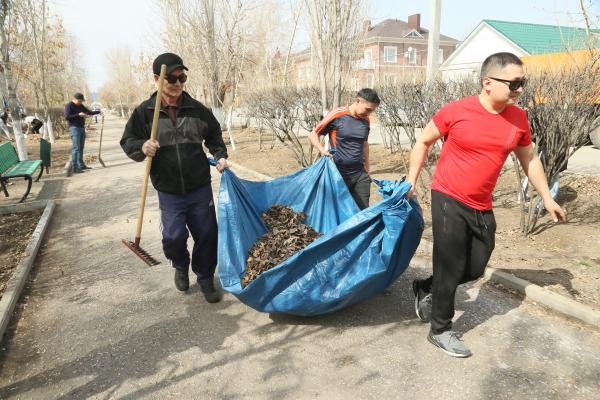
(138, 25)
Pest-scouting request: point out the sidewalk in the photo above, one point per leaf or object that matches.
(97, 323)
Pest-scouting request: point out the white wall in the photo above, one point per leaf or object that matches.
(467, 59)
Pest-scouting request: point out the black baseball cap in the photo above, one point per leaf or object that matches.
(172, 61)
(78, 96)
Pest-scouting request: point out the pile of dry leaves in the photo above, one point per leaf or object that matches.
(287, 234)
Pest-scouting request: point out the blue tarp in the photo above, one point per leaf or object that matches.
(359, 255)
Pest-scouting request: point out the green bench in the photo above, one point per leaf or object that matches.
(11, 167)
(46, 154)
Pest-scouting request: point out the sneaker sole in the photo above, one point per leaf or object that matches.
(457, 355)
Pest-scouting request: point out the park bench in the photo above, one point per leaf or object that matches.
(46, 154)
(11, 167)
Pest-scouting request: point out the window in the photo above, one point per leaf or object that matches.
(368, 59)
(413, 34)
(390, 79)
(370, 80)
(412, 55)
(308, 73)
(440, 56)
(390, 54)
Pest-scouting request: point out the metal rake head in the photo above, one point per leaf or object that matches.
(138, 251)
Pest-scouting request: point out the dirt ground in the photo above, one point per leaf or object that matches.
(14, 239)
(564, 258)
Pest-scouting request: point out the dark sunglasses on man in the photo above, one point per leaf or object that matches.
(172, 78)
(512, 85)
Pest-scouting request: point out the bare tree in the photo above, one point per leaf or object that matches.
(562, 107)
(36, 24)
(408, 106)
(5, 14)
(277, 109)
(296, 13)
(334, 34)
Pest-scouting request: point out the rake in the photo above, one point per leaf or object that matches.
(135, 245)
(100, 144)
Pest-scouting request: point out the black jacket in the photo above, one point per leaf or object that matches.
(72, 111)
(180, 165)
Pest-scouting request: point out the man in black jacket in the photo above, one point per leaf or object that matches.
(180, 173)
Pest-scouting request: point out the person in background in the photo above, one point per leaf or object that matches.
(75, 114)
(32, 124)
(4, 124)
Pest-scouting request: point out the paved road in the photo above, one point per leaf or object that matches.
(97, 323)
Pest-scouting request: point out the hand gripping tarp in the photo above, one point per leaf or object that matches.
(359, 255)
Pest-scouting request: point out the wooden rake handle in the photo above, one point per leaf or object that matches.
(140, 217)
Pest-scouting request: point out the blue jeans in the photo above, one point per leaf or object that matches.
(78, 141)
(181, 214)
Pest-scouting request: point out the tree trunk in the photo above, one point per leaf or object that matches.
(289, 51)
(10, 84)
(209, 10)
(39, 44)
(317, 49)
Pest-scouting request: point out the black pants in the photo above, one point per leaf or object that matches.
(36, 124)
(360, 188)
(463, 241)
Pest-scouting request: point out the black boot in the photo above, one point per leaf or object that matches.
(211, 293)
(182, 280)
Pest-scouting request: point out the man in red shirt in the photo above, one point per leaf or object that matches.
(479, 133)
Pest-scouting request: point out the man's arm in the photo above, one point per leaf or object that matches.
(532, 166)
(419, 152)
(322, 129)
(90, 112)
(214, 142)
(313, 136)
(366, 151)
(134, 137)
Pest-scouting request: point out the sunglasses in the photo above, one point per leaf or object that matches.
(512, 85)
(172, 78)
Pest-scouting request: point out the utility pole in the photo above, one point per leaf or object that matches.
(433, 41)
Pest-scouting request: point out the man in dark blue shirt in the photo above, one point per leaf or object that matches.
(348, 129)
(75, 113)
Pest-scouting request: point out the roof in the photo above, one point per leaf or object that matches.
(397, 29)
(540, 39)
(388, 28)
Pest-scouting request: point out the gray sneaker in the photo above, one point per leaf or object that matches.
(450, 343)
(422, 301)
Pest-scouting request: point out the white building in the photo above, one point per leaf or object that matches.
(521, 39)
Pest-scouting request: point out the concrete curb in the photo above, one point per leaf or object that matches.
(237, 166)
(15, 285)
(23, 207)
(535, 293)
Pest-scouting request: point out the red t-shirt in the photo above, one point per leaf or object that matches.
(476, 146)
